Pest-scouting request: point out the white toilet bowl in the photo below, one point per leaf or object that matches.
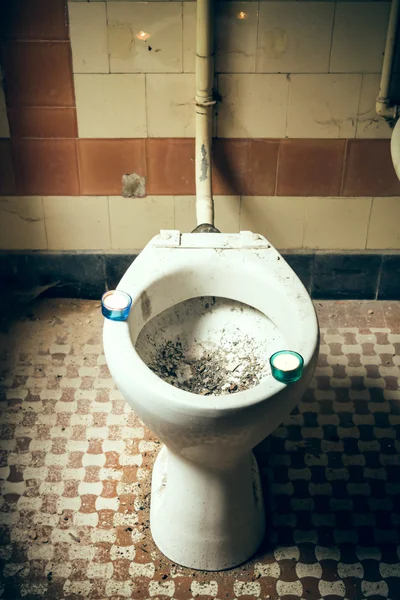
(206, 503)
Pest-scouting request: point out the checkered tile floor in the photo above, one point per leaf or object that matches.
(76, 465)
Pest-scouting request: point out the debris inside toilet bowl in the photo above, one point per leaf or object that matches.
(210, 346)
(215, 370)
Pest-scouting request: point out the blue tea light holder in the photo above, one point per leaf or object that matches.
(286, 366)
(115, 305)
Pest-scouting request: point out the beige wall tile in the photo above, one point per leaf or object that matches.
(359, 37)
(134, 221)
(236, 37)
(22, 223)
(170, 104)
(369, 125)
(337, 223)
(384, 226)
(111, 106)
(279, 219)
(252, 105)
(189, 37)
(323, 106)
(227, 211)
(136, 27)
(88, 31)
(294, 37)
(77, 222)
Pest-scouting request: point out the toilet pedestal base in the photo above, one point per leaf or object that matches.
(206, 518)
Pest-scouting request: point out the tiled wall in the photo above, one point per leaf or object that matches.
(299, 154)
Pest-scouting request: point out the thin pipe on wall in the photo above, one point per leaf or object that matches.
(204, 106)
(384, 107)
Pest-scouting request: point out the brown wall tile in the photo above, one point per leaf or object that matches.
(38, 74)
(6, 168)
(310, 167)
(230, 163)
(103, 162)
(34, 19)
(170, 166)
(245, 167)
(369, 169)
(38, 122)
(48, 167)
(262, 168)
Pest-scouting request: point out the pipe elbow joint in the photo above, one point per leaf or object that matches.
(385, 109)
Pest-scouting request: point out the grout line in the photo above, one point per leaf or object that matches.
(359, 105)
(145, 104)
(108, 40)
(257, 38)
(289, 78)
(333, 29)
(378, 281)
(78, 165)
(109, 222)
(182, 52)
(304, 223)
(343, 168)
(44, 223)
(277, 168)
(368, 223)
(311, 284)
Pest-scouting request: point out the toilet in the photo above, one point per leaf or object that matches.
(207, 509)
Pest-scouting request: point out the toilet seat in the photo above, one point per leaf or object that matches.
(174, 267)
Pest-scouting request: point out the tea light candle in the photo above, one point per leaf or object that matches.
(286, 366)
(115, 305)
(286, 362)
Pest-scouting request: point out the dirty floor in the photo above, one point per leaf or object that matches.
(76, 465)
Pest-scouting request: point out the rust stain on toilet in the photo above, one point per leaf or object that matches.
(145, 306)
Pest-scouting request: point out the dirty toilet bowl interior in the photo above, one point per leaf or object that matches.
(210, 345)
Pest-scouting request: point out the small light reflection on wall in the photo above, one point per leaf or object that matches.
(142, 35)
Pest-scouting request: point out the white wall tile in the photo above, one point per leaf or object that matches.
(134, 221)
(384, 229)
(77, 222)
(252, 105)
(22, 223)
(294, 37)
(170, 104)
(145, 37)
(226, 209)
(110, 106)
(88, 31)
(236, 37)
(189, 37)
(323, 106)
(337, 223)
(279, 219)
(369, 125)
(359, 37)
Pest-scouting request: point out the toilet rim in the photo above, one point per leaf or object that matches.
(172, 262)
(128, 362)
